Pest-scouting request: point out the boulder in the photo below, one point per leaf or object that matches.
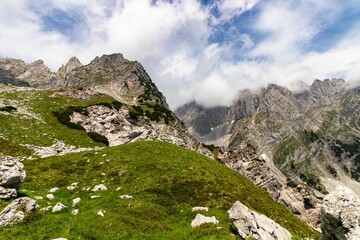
(100, 187)
(258, 226)
(55, 189)
(201, 219)
(200, 209)
(12, 175)
(340, 215)
(75, 201)
(6, 193)
(15, 211)
(58, 207)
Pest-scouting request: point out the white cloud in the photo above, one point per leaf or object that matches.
(171, 39)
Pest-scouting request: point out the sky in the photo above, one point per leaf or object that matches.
(202, 50)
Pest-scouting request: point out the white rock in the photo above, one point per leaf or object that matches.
(38, 198)
(60, 239)
(100, 187)
(200, 209)
(201, 219)
(58, 207)
(7, 193)
(14, 212)
(70, 188)
(125, 196)
(55, 189)
(50, 196)
(118, 189)
(75, 212)
(95, 196)
(46, 208)
(101, 213)
(74, 184)
(75, 201)
(340, 215)
(250, 223)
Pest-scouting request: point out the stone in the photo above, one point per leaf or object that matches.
(6, 193)
(250, 223)
(12, 175)
(101, 213)
(50, 196)
(200, 209)
(75, 212)
(55, 189)
(46, 208)
(100, 187)
(201, 219)
(15, 211)
(118, 189)
(75, 201)
(58, 207)
(126, 196)
(340, 215)
(60, 239)
(38, 198)
(70, 188)
(94, 196)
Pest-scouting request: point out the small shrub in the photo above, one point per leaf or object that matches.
(63, 116)
(98, 138)
(8, 109)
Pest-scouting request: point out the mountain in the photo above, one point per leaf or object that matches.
(106, 159)
(312, 136)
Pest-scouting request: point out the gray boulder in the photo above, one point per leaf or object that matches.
(201, 219)
(15, 211)
(12, 173)
(340, 215)
(250, 223)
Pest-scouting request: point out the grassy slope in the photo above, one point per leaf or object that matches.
(17, 128)
(166, 182)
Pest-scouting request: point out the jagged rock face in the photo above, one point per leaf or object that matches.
(15, 211)
(112, 74)
(310, 134)
(119, 128)
(18, 73)
(118, 77)
(296, 196)
(258, 226)
(340, 215)
(62, 73)
(12, 175)
(207, 125)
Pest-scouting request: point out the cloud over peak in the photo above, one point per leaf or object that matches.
(193, 50)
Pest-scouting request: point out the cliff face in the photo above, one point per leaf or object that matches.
(112, 75)
(312, 136)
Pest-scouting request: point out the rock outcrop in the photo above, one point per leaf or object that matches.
(201, 219)
(258, 226)
(16, 211)
(12, 175)
(340, 215)
(18, 73)
(295, 195)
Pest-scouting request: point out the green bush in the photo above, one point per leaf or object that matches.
(8, 109)
(98, 138)
(63, 116)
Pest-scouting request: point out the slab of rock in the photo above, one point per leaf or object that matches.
(126, 196)
(75, 212)
(340, 215)
(100, 187)
(200, 209)
(58, 207)
(50, 196)
(75, 201)
(201, 219)
(14, 212)
(55, 189)
(101, 213)
(6, 193)
(250, 223)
